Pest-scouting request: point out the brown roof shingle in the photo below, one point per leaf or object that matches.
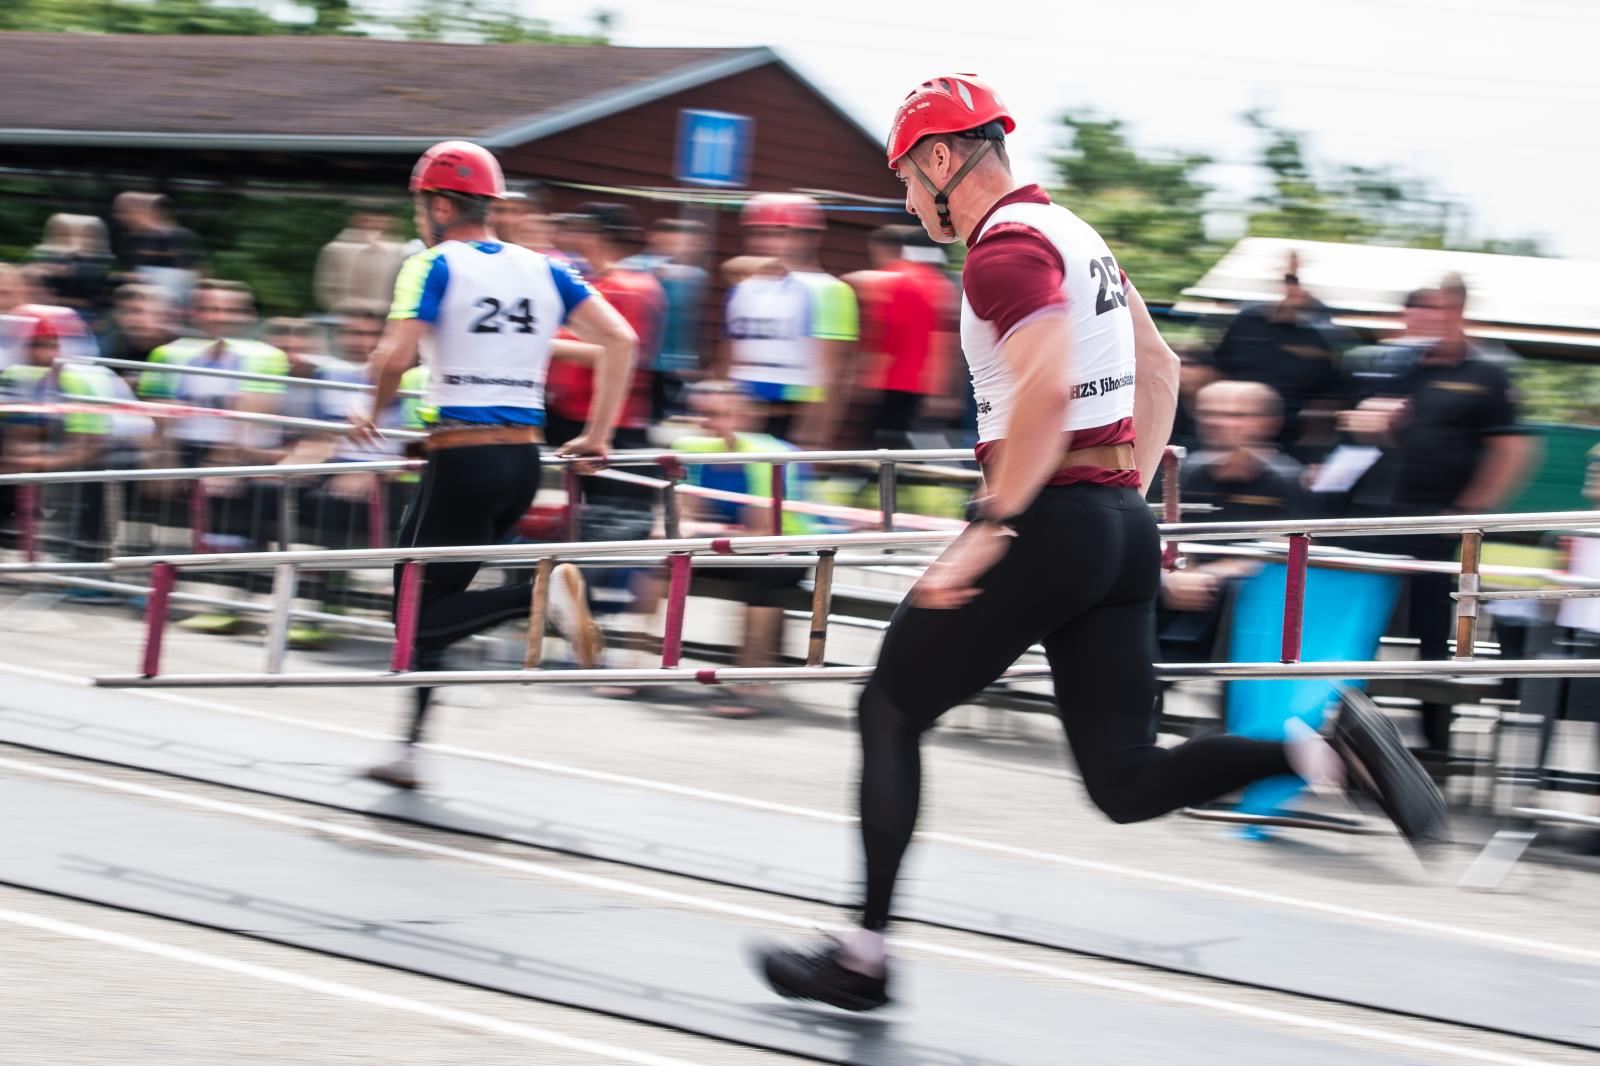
(339, 87)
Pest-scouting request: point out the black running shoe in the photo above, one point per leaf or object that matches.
(817, 975)
(1379, 765)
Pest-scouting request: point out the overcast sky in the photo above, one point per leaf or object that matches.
(1496, 102)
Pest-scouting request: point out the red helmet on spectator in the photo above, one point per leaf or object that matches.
(949, 103)
(49, 321)
(782, 209)
(459, 167)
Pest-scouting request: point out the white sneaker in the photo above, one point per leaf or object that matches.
(569, 614)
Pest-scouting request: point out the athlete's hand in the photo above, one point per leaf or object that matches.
(591, 453)
(363, 430)
(1189, 590)
(952, 580)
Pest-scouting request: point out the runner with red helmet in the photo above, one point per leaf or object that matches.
(483, 315)
(1075, 391)
(790, 323)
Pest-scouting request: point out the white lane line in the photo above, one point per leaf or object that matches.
(446, 749)
(701, 903)
(1052, 858)
(338, 990)
(1115, 869)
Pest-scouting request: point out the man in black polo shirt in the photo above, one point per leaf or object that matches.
(1240, 472)
(1448, 429)
(1293, 347)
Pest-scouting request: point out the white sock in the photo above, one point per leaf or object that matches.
(865, 952)
(1312, 757)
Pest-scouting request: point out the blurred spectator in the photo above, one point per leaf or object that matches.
(11, 288)
(1447, 430)
(361, 262)
(604, 236)
(1240, 472)
(221, 315)
(13, 331)
(73, 335)
(730, 424)
(677, 247)
(301, 341)
(40, 441)
(75, 262)
(1292, 346)
(37, 441)
(522, 217)
(142, 320)
(152, 245)
(336, 511)
(566, 239)
(790, 325)
(907, 308)
(359, 324)
(1195, 372)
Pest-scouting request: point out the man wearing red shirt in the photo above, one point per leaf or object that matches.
(1075, 392)
(603, 235)
(909, 306)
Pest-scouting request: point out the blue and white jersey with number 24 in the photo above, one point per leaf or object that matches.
(494, 309)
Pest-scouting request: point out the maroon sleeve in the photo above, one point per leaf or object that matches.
(1012, 275)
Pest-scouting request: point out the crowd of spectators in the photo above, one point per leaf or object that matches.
(1283, 415)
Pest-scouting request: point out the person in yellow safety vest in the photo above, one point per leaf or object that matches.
(39, 442)
(729, 418)
(221, 311)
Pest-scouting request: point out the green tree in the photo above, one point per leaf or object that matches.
(332, 16)
(1355, 204)
(1150, 208)
(135, 16)
(490, 22)
(472, 21)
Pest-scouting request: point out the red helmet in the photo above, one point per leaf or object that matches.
(458, 166)
(789, 210)
(49, 320)
(949, 103)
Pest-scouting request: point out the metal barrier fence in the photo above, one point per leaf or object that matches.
(822, 554)
(670, 465)
(823, 558)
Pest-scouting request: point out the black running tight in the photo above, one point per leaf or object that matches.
(1081, 578)
(467, 496)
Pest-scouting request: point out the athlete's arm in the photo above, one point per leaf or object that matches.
(1155, 389)
(575, 351)
(1039, 355)
(418, 291)
(396, 353)
(598, 323)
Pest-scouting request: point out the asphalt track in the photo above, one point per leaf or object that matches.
(140, 866)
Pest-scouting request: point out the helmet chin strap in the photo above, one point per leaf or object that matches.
(432, 235)
(941, 197)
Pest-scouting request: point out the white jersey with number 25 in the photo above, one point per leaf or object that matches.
(1098, 319)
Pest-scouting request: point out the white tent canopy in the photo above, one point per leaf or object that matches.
(1510, 290)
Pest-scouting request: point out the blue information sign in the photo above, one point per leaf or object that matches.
(714, 147)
